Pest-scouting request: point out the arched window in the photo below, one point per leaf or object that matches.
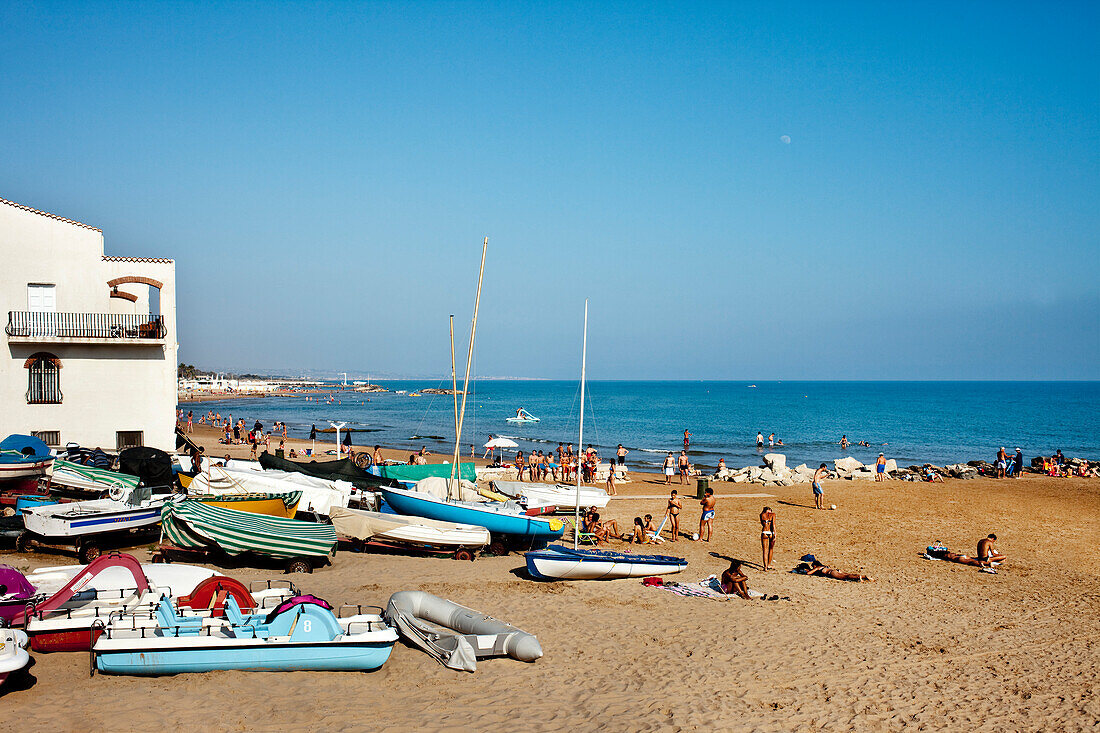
(44, 379)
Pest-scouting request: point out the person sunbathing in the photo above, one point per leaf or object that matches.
(987, 553)
(603, 531)
(640, 536)
(810, 565)
(734, 582)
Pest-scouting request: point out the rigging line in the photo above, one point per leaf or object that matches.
(416, 433)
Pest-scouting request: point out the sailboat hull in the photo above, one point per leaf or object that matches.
(562, 563)
(496, 521)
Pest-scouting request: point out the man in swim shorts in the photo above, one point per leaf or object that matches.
(687, 439)
(819, 493)
(880, 468)
(684, 467)
(767, 536)
(708, 503)
(759, 440)
(670, 468)
(987, 553)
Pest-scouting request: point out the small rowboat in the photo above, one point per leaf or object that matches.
(273, 505)
(563, 563)
(23, 457)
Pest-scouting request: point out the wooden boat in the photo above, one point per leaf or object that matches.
(315, 494)
(406, 530)
(456, 635)
(503, 519)
(564, 563)
(23, 457)
(272, 505)
(301, 634)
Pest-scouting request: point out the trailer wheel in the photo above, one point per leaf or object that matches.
(498, 548)
(299, 566)
(464, 555)
(22, 542)
(88, 552)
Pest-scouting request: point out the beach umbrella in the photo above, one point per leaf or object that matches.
(495, 443)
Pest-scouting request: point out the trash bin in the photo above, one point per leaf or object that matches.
(701, 486)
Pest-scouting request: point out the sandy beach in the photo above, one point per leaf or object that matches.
(929, 645)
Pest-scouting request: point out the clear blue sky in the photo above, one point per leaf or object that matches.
(323, 176)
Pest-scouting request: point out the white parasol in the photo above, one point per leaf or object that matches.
(495, 443)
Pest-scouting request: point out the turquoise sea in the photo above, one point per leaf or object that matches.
(913, 422)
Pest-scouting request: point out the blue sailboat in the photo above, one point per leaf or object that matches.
(500, 519)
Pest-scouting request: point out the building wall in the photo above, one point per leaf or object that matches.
(107, 386)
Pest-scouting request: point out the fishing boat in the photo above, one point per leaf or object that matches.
(272, 505)
(565, 498)
(191, 525)
(138, 511)
(301, 634)
(500, 519)
(405, 530)
(563, 563)
(13, 652)
(23, 457)
(522, 416)
(456, 635)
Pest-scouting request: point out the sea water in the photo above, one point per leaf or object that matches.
(912, 422)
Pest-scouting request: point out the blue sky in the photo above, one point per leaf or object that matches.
(323, 175)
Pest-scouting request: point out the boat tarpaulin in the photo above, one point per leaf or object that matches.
(194, 525)
(342, 470)
(364, 525)
(152, 466)
(416, 473)
(81, 476)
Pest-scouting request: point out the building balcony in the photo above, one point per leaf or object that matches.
(29, 327)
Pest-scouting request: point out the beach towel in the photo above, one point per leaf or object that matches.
(707, 588)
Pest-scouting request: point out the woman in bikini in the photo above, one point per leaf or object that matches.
(673, 512)
(767, 536)
(734, 581)
(816, 567)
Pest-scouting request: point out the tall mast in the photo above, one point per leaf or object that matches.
(580, 438)
(454, 393)
(469, 359)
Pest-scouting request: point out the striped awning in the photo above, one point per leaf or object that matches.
(80, 476)
(192, 524)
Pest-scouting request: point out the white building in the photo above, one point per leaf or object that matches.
(90, 344)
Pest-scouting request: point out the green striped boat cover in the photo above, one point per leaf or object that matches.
(108, 479)
(194, 525)
(415, 473)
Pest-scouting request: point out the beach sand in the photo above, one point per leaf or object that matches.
(930, 645)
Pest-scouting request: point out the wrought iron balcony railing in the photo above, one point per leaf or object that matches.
(48, 325)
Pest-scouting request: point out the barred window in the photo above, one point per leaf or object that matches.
(44, 377)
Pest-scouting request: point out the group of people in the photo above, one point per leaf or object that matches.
(564, 463)
(772, 440)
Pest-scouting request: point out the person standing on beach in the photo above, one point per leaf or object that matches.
(767, 536)
(687, 440)
(1018, 464)
(190, 423)
(611, 479)
(670, 467)
(684, 467)
(519, 464)
(819, 493)
(708, 503)
(377, 455)
(880, 468)
(620, 455)
(672, 511)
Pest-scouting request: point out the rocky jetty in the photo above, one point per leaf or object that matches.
(775, 472)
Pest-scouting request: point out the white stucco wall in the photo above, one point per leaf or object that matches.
(109, 385)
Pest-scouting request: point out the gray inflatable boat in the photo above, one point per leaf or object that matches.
(455, 635)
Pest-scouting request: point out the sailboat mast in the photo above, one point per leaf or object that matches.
(470, 356)
(580, 437)
(454, 393)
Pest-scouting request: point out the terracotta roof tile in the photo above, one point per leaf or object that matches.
(52, 216)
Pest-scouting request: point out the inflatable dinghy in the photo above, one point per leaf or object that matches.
(455, 635)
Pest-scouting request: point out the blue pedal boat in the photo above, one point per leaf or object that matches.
(300, 634)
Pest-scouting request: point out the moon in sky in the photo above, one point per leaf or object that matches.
(785, 139)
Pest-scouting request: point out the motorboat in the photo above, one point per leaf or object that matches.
(13, 652)
(300, 634)
(87, 478)
(503, 519)
(456, 635)
(405, 530)
(564, 563)
(23, 457)
(536, 495)
(139, 510)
